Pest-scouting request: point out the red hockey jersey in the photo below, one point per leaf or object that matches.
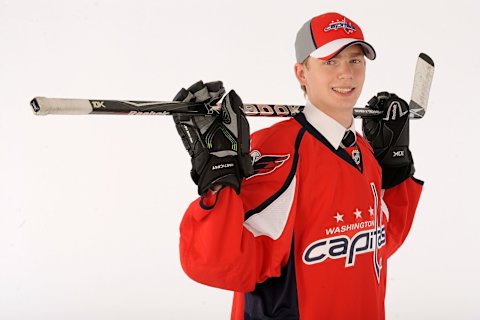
(309, 235)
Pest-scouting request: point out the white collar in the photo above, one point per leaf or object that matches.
(326, 125)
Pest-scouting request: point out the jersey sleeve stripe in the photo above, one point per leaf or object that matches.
(285, 186)
(272, 220)
(271, 216)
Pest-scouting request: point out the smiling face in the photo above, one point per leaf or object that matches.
(334, 85)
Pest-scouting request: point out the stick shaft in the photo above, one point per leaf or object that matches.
(43, 106)
(59, 106)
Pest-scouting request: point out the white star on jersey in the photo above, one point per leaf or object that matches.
(339, 217)
(357, 213)
(371, 211)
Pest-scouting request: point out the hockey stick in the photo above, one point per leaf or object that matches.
(42, 106)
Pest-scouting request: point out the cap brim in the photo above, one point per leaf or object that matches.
(331, 49)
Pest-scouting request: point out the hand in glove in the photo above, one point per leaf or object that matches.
(389, 138)
(219, 145)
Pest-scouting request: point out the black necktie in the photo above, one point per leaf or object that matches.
(348, 139)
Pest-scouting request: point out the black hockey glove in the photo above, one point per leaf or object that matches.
(389, 138)
(219, 145)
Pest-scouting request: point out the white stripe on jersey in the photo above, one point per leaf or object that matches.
(271, 221)
(384, 207)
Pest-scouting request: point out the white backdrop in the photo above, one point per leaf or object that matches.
(90, 205)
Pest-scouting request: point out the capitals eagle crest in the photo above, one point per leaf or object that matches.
(265, 164)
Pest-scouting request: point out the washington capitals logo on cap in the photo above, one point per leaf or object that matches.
(340, 24)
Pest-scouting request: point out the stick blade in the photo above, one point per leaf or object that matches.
(421, 86)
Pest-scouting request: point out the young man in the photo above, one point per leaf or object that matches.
(306, 231)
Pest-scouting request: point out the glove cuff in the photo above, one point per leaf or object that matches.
(394, 156)
(397, 166)
(221, 171)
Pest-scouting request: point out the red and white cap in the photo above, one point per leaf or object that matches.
(326, 35)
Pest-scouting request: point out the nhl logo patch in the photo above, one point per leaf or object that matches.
(356, 157)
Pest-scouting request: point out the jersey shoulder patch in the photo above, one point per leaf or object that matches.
(273, 147)
(265, 164)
